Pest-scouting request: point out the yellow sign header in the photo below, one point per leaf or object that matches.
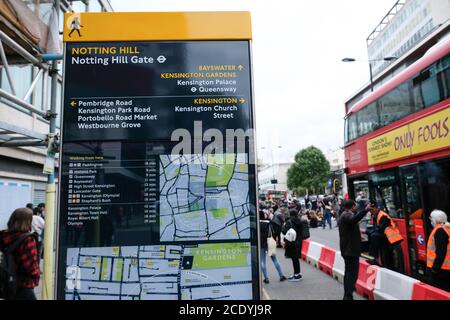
(158, 26)
(424, 135)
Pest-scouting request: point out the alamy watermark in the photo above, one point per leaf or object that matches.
(234, 141)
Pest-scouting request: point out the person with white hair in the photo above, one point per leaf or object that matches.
(438, 250)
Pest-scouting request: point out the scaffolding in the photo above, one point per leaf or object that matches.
(24, 45)
(17, 49)
(23, 51)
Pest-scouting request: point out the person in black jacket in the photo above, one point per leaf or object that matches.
(350, 244)
(277, 223)
(293, 248)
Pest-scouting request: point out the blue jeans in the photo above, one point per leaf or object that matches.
(263, 252)
(326, 220)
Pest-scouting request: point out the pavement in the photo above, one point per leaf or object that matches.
(38, 289)
(315, 285)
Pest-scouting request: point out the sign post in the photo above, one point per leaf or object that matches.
(158, 179)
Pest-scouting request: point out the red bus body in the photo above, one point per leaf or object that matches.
(413, 166)
(277, 194)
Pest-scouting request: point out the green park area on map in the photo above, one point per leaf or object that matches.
(220, 170)
(226, 254)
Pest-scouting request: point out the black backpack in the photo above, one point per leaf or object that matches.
(305, 230)
(8, 269)
(286, 226)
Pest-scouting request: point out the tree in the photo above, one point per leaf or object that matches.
(310, 170)
(300, 190)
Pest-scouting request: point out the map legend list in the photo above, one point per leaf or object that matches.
(94, 189)
(150, 191)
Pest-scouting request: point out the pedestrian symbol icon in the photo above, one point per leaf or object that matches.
(75, 26)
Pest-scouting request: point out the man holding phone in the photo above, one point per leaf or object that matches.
(350, 244)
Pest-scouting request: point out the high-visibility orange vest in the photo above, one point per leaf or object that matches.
(431, 249)
(392, 232)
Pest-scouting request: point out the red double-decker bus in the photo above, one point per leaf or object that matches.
(398, 149)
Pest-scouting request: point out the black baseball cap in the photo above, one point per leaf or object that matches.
(375, 204)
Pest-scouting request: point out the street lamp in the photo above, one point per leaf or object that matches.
(273, 164)
(370, 65)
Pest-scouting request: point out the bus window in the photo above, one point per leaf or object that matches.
(432, 84)
(417, 96)
(395, 105)
(429, 87)
(368, 119)
(445, 75)
(346, 139)
(388, 197)
(352, 127)
(357, 185)
(384, 189)
(436, 187)
(360, 187)
(411, 189)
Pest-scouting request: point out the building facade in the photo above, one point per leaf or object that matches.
(267, 174)
(403, 27)
(28, 31)
(405, 33)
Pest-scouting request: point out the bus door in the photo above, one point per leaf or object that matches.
(357, 185)
(360, 186)
(413, 210)
(435, 182)
(384, 188)
(435, 176)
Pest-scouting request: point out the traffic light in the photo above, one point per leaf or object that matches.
(336, 185)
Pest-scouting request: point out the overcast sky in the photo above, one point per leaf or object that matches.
(299, 79)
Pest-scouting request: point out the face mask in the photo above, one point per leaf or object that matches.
(433, 224)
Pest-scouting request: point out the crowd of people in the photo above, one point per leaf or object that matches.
(279, 217)
(322, 210)
(319, 211)
(285, 225)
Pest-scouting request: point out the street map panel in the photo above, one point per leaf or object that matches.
(159, 272)
(204, 197)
